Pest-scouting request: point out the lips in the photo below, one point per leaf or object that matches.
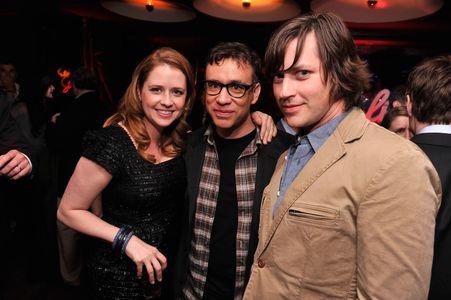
(165, 113)
(223, 113)
(291, 108)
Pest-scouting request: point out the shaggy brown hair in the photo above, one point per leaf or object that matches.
(348, 75)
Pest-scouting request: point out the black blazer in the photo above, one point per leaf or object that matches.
(11, 136)
(437, 147)
(194, 158)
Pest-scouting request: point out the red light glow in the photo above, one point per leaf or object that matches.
(64, 82)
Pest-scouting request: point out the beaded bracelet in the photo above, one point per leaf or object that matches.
(126, 240)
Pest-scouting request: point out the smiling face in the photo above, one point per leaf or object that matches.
(163, 97)
(231, 115)
(301, 93)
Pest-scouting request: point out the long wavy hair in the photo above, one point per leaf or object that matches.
(131, 114)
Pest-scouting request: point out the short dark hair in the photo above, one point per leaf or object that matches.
(348, 74)
(429, 88)
(237, 51)
(84, 79)
(398, 93)
(392, 113)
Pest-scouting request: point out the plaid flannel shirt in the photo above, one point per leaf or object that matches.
(245, 172)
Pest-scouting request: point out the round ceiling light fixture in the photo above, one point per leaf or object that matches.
(245, 11)
(380, 11)
(169, 11)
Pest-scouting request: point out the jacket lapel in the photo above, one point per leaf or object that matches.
(350, 129)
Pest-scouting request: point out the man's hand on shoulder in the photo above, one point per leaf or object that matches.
(268, 129)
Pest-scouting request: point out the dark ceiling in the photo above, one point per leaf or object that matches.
(436, 26)
(57, 30)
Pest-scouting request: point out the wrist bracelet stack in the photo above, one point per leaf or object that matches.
(121, 239)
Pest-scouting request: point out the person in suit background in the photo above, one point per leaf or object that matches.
(15, 166)
(429, 105)
(350, 211)
(14, 119)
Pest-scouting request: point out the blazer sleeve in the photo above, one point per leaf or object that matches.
(395, 228)
(10, 135)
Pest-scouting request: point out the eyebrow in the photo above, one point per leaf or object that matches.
(231, 82)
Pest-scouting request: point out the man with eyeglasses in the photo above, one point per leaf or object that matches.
(228, 167)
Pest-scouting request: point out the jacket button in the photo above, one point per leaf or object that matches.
(260, 263)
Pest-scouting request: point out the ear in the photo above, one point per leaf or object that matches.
(409, 105)
(256, 94)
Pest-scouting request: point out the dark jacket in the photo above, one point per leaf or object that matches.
(437, 147)
(85, 113)
(11, 136)
(194, 158)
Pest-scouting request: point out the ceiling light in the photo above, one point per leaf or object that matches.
(167, 11)
(371, 3)
(259, 11)
(385, 11)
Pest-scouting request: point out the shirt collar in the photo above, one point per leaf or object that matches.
(318, 136)
(209, 135)
(436, 128)
(82, 92)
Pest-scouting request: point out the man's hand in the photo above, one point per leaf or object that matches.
(14, 165)
(54, 118)
(268, 129)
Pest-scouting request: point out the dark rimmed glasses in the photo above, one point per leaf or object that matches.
(234, 89)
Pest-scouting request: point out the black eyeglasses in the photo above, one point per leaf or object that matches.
(236, 90)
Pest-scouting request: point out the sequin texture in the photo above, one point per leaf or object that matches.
(143, 196)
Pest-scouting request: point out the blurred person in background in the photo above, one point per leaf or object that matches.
(429, 105)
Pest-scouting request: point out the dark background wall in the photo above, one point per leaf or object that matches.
(43, 36)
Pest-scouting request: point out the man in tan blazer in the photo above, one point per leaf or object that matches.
(350, 210)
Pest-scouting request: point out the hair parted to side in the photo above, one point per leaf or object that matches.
(130, 111)
(429, 88)
(347, 73)
(236, 51)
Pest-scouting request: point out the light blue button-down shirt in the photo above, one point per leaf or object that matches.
(302, 151)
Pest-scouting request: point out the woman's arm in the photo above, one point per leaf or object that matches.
(86, 183)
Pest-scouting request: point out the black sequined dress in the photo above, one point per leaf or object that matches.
(143, 196)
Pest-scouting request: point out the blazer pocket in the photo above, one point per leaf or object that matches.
(314, 215)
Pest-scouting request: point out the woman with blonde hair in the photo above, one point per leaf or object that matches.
(134, 162)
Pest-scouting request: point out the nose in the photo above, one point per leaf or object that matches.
(166, 99)
(223, 97)
(407, 134)
(286, 89)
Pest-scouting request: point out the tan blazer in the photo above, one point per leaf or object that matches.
(356, 223)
